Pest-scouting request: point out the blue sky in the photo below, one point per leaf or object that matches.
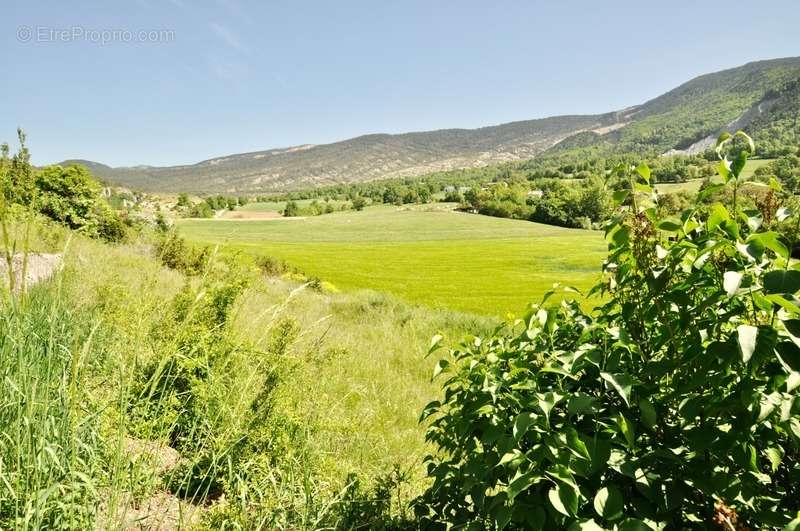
(240, 76)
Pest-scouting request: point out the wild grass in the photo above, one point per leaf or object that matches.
(344, 374)
(444, 259)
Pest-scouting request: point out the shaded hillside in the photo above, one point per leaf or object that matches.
(759, 96)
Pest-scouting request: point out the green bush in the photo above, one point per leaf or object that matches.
(175, 253)
(271, 266)
(673, 405)
(71, 196)
(291, 209)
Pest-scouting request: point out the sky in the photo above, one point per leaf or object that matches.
(165, 82)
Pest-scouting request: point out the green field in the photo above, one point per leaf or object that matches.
(466, 262)
(279, 206)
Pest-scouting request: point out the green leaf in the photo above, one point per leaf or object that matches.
(435, 344)
(502, 515)
(746, 336)
(576, 445)
(644, 171)
(608, 503)
(723, 168)
(441, 365)
(670, 225)
(520, 483)
(731, 281)
(782, 281)
(512, 456)
(620, 196)
(648, 412)
(754, 219)
(717, 215)
(548, 401)
(771, 240)
(794, 525)
(775, 456)
(709, 191)
(564, 499)
(739, 163)
(722, 139)
(627, 429)
(747, 139)
(522, 423)
(622, 383)
(619, 236)
(580, 403)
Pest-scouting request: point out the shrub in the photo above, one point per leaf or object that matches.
(175, 253)
(673, 405)
(291, 209)
(272, 266)
(70, 196)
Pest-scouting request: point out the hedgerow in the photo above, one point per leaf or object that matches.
(672, 405)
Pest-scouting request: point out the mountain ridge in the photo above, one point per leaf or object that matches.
(669, 123)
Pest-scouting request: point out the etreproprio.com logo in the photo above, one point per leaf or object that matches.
(27, 34)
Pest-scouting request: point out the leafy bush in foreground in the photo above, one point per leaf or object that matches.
(672, 405)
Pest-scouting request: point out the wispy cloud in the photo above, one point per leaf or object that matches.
(229, 37)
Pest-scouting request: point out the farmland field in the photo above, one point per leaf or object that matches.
(428, 254)
(278, 206)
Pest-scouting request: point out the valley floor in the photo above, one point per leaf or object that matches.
(425, 254)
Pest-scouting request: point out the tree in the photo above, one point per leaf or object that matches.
(291, 210)
(71, 196)
(672, 405)
(359, 203)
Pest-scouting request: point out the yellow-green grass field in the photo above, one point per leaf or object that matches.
(465, 262)
(279, 206)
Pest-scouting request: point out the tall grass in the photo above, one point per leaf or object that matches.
(298, 405)
(50, 451)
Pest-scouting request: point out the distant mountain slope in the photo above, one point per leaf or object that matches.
(686, 118)
(358, 159)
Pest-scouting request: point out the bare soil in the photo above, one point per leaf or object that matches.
(41, 266)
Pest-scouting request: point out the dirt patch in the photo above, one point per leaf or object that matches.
(41, 266)
(160, 512)
(244, 214)
(161, 457)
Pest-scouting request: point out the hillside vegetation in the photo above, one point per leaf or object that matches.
(140, 396)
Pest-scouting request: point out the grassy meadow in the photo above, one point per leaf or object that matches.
(429, 254)
(347, 386)
(279, 206)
